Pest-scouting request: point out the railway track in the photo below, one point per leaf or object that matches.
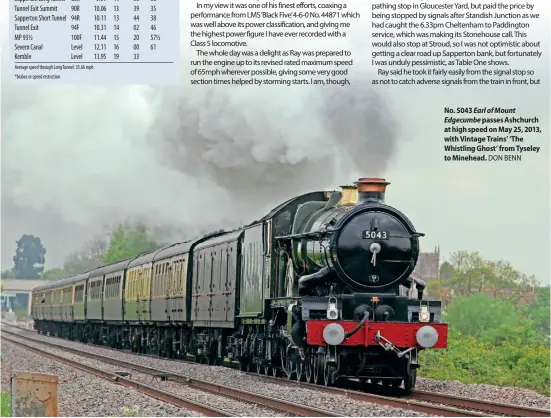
(474, 407)
(419, 401)
(237, 394)
(140, 387)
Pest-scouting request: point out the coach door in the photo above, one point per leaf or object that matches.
(143, 288)
(139, 296)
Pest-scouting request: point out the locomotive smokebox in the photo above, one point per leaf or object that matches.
(371, 190)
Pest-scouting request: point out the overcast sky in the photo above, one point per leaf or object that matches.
(77, 159)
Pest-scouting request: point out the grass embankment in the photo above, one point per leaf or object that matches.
(5, 409)
(493, 341)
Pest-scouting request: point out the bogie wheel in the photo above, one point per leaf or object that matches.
(309, 368)
(319, 366)
(259, 367)
(328, 375)
(243, 366)
(410, 380)
(266, 370)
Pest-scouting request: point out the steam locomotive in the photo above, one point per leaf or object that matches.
(320, 289)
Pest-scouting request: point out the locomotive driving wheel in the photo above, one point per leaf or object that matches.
(286, 361)
(300, 369)
(259, 366)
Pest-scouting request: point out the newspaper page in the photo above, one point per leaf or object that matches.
(351, 194)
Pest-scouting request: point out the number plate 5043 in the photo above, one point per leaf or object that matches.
(376, 235)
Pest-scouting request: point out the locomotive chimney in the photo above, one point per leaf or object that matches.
(371, 190)
(349, 196)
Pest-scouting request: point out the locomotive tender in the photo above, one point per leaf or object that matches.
(319, 289)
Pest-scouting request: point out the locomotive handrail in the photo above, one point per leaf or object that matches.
(308, 234)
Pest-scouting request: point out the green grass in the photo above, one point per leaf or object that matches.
(5, 408)
(470, 360)
(494, 341)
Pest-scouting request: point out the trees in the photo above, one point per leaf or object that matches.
(29, 258)
(538, 313)
(89, 257)
(446, 270)
(468, 272)
(128, 241)
(8, 274)
(492, 340)
(53, 274)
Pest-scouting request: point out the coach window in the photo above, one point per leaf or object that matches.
(167, 279)
(175, 277)
(155, 281)
(160, 280)
(129, 287)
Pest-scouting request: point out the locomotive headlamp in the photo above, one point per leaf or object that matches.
(332, 310)
(427, 336)
(375, 299)
(424, 314)
(333, 334)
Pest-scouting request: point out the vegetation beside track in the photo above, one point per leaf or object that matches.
(493, 340)
(5, 409)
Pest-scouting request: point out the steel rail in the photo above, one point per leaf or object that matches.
(488, 406)
(238, 394)
(396, 402)
(140, 387)
(406, 403)
(274, 402)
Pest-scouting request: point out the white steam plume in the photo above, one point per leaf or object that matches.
(76, 159)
